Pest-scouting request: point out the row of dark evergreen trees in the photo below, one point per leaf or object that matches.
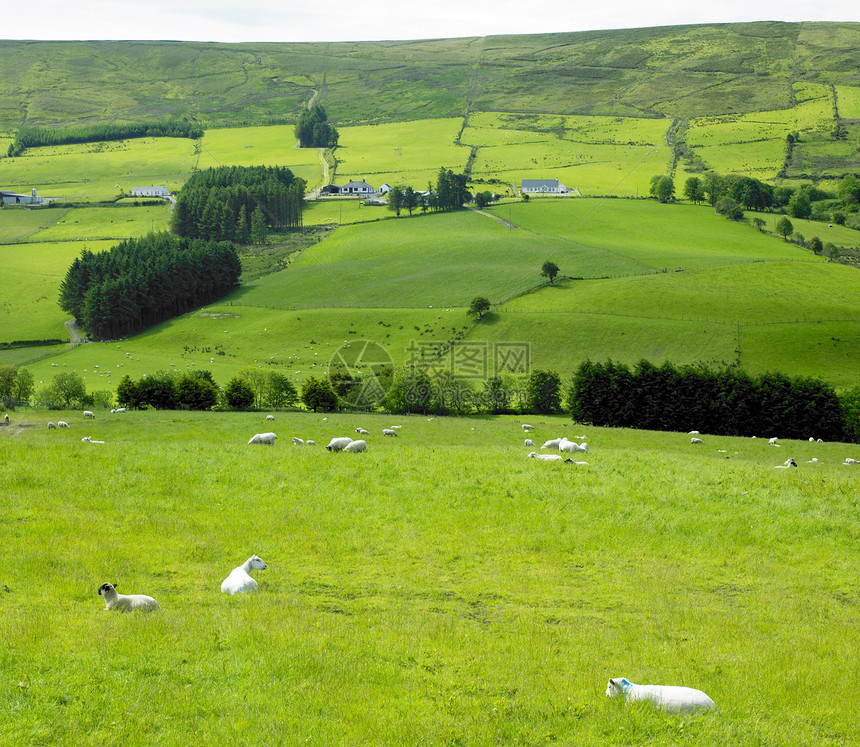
(720, 401)
(313, 129)
(231, 203)
(141, 282)
(34, 137)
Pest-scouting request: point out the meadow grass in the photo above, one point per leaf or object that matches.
(400, 153)
(92, 172)
(440, 588)
(336, 211)
(106, 223)
(224, 338)
(848, 98)
(32, 274)
(19, 224)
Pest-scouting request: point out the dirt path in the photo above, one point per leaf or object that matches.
(505, 223)
(75, 337)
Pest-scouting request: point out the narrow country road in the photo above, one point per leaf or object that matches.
(75, 337)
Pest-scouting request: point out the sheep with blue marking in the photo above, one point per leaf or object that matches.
(673, 698)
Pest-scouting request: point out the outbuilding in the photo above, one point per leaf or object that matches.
(13, 198)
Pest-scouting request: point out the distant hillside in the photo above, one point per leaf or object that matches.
(677, 72)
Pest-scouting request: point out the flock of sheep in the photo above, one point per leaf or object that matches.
(338, 443)
(773, 442)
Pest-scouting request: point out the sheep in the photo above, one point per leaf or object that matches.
(572, 447)
(89, 414)
(362, 431)
(51, 425)
(553, 443)
(671, 697)
(339, 443)
(693, 433)
(263, 438)
(62, 424)
(297, 441)
(396, 426)
(88, 439)
(695, 440)
(126, 602)
(310, 443)
(571, 461)
(788, 463)
(388, 432)
(772, 441)
(119, 409)
(239, 579)
(546, 457)
(849, 460)
(814, 460)
(527, 427)
(270, 417)
(6, 418)
(528, 442)
(356, 446)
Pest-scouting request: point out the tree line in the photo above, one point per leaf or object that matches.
(35, 137)
(451, 193)
(722, 401)
(141, 282)
(238, 203)
(313, 129)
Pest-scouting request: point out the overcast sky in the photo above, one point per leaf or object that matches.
(363, 20)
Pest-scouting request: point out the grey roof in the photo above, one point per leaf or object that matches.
(535, 183)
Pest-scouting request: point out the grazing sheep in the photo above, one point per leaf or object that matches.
(270, 417)
(693, 433)
(528, 442)
(119, 409)
(297, 441)
(695, 440)
(553, 443)
(51, 425)
(356, 446)
(62, 424)
(788, 463)
(671, 697)
(772, 441)
(126, 602)
(527, 427)
(546, 457)
(6, 418)
(89, 414)
(388, 432)
(362, 431)
(240, 580)
(849, 460)
(263, 438)
(310, 443)
(338, 444)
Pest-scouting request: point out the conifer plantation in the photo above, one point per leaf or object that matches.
(221, 203)
(141, 282)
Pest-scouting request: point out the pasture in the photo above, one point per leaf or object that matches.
(439, 588)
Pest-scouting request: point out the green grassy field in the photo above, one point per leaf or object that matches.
(439, 588)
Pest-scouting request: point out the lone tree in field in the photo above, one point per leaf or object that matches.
(662, 187)
(479, 306)
(784, 228)
(549, 270)
(694, 190)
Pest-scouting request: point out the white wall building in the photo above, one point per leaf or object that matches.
(543, 187)
(160, 191)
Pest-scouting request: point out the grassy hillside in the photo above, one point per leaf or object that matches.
(680, 71)
(439, 588)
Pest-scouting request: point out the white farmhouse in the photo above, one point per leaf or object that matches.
(160, 191)
(542, 187)
(357, 188)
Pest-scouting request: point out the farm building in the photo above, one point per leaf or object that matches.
(543, 187)
(12, 198)
(330, 189)
(357, 188)
(160, 191)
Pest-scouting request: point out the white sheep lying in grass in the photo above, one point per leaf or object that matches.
(671, 697)
(388, 432)
(528, 442)
(788, 463)
(695, 440)
(546, 457)
(362, 431)
(356, 446)
(126, 602)
(527, 427)
(310, 443)
(297, 441)
(552, 443)
(263, 438)
(62, 424)
(573, 461)
(571, 447)
(339, 443)
(240, 580)
(89, 439)
(849, 460)
(89, 414)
